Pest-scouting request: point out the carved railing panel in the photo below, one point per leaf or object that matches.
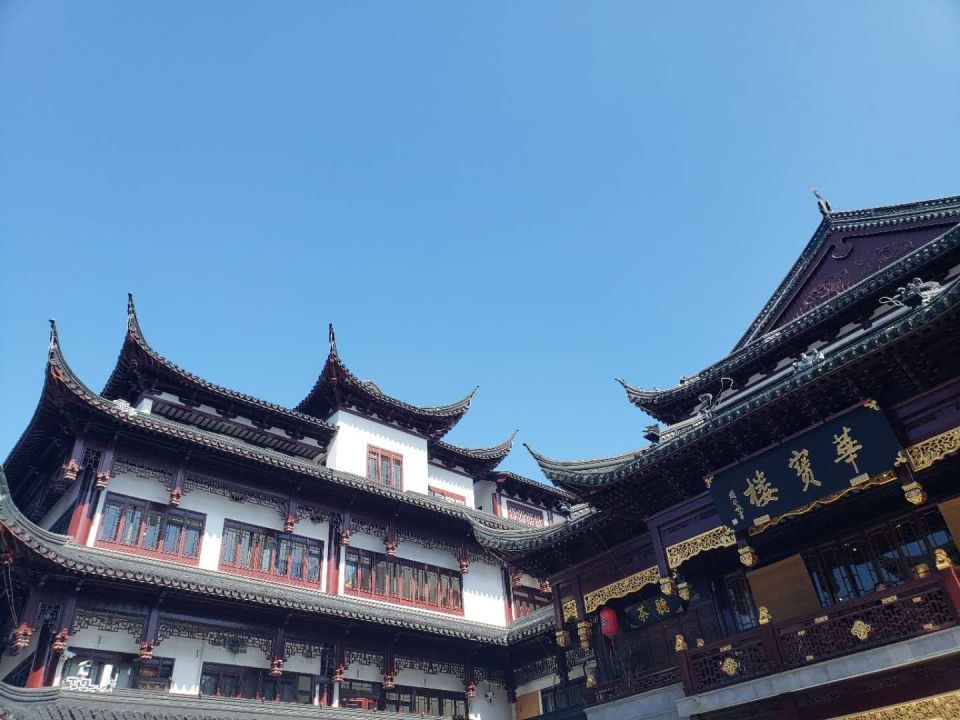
(726, 662)
(632, 683)
(858, 625)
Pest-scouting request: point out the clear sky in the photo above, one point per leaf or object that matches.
(533, 197)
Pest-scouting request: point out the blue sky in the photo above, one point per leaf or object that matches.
(534, 197)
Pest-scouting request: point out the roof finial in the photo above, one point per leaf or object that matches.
(54, 337)
(332, 336)
(822, 203)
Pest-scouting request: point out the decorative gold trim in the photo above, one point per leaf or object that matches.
(563, 638)
(933, 450)
(684, 591)
(820, 619)
(946, 705)
(881, 479)
(621, 588)
(902, 459)
(680, 643)
(569, 610)
(668, 585)
(730, 667)
(764, 616)
(888, 599)
(860, 630)
(748, 556)
(942, 559)
(718, 537)
(584, 632)
(708, 480)
(871, 404)
(914, 493)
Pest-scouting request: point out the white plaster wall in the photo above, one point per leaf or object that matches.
(451, 481)
(366, 673)
(483, 493)
(9, 662)
(482, 585)
(498, 708)
(66, 501)
(348, 451)
(217, 509)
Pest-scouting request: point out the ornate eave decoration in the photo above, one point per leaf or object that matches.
(937, 706)
(570, 610)
(718, 537)
(877, 481)
(621, 588)
(933, 450)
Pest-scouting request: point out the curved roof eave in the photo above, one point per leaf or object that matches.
(335, 373)
(585, 475)
(655, 402)
(136, 343)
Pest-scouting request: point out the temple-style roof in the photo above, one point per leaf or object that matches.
(475, 461)
(850, 255)
(526, 489)
(61, 704)
(338, 388)
(890, 323)
(139, 367)
(63, 552)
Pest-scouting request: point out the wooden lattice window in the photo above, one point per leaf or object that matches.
(385, 467)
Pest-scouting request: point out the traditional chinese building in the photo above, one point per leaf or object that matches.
(169, 535)
(781, 546)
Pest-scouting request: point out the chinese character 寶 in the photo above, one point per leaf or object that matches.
(800, 462)
(847, 448)
(759, 490)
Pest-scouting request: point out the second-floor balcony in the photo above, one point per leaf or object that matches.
(881, 618)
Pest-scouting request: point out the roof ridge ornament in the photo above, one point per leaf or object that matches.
(822, 203)
(54, 336)
(332, 338)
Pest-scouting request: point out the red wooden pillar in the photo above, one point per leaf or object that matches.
(83, 497)
(950, 579)
(101, 478)
(686, 670)
(28, 625)
(507, 594)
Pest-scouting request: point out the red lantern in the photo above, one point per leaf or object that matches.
(609, 624)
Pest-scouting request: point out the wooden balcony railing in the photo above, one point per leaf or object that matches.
(881, 618)
(632, 683)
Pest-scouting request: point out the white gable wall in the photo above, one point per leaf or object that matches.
(348, 451)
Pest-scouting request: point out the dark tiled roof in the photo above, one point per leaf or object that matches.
(58, 704)
(136, 349)
(519, 483)
(338, 387)
(584, 475)
(672, 404)
(474, 460)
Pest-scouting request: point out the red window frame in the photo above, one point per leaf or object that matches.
(258, 540)
(521, 513)
(402, 582)
(153, 521)
(440, 493)
(526, 600)
(380, 460)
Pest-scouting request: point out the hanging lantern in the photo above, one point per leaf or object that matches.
(609, 623)
(388, 681)
(276, 668)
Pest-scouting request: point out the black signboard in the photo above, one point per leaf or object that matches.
(843, 452)
(646, 612)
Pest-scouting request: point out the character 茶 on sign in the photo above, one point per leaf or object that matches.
(642, 613)
(847, 448)
(800, 463)
(759, 490)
